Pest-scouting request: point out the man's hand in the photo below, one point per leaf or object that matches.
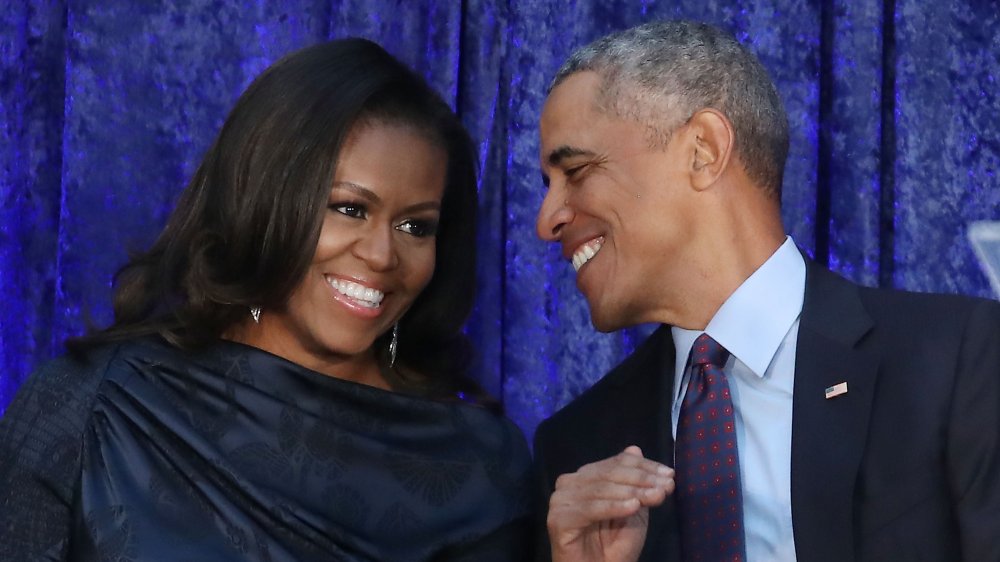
(600, 512)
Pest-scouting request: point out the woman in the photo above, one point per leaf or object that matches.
(284, 377)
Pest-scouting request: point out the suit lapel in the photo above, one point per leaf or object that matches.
(643, 385)
(829, 434)
(646, 395)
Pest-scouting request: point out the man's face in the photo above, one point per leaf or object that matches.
(620, 208)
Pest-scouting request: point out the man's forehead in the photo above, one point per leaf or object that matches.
(577, 90)
(568, 114)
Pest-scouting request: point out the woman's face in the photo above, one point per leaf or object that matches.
(375, 253)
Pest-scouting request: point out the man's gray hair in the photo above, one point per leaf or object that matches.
(661, 73)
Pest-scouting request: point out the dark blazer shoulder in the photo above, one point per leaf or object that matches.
(594, 403)
(931, 307)
(847, 311)
(924, 362)
(628, 406)
(823, 285)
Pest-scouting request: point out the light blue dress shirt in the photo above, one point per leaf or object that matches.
(759, 325)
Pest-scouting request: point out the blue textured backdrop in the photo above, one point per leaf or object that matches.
(105, 108)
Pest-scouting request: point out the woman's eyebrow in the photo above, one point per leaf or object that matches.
(359, 190)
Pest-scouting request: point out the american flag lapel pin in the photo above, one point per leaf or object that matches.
(835, 390)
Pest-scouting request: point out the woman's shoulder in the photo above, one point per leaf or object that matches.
(62, 390)
(82, 369)
(497, 440)
(502, 453)
(41, 439)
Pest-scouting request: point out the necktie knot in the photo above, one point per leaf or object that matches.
(707, 351)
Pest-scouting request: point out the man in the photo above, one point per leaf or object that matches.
(802, 416)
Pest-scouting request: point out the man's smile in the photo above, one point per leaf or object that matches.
(586, 251)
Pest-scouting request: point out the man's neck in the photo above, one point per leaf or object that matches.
(710, 282)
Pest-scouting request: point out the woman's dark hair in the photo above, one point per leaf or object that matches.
(244, 229)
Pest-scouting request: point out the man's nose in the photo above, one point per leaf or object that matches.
(553, 215)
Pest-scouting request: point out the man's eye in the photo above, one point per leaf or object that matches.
(575, 171)
(350, 209)
(418, 228)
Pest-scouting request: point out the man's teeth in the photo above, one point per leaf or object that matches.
(365, 296)
(586, 252)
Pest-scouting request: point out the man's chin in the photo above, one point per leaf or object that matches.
(604, 322)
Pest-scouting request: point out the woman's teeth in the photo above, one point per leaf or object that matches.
(364, 296)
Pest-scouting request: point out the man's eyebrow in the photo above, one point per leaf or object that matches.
(566, 151)
(358, 190)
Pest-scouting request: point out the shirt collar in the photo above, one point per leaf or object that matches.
(754, 320)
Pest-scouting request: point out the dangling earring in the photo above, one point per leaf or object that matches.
(393, 345)
(255, 314)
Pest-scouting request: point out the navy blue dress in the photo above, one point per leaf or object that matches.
(147, 453)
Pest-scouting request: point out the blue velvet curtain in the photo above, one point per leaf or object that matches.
(106, 107)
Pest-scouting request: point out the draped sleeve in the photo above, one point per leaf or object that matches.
(231, 453)
(40, 440)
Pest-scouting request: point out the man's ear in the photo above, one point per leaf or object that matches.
(711, 148)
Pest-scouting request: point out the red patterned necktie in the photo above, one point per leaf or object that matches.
(709, 498)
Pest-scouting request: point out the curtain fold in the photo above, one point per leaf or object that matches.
(106, 108)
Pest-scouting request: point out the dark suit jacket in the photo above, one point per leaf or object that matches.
(905, 466)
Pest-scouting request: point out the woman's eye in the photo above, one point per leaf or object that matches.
(349, 209)
(418, 228)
